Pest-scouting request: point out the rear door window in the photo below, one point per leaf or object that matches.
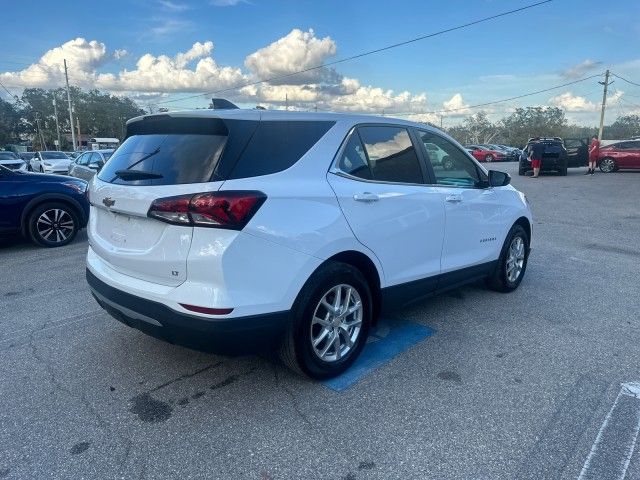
(353, 159)
(391, 154)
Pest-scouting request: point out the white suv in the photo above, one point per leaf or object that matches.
(232, 230)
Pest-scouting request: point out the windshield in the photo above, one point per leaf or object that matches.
(54, 156)
(8, 156)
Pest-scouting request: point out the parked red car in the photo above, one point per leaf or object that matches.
(484, 154)
(619, 155)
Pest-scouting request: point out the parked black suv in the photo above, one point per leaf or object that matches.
(558, 155)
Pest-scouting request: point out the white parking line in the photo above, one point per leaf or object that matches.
(613, 447)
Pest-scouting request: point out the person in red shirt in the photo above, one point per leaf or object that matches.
(594, 151)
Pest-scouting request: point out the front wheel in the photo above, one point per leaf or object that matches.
(608, 165)
(512, 262)
(447, 163)
(330, 325)
(53, 224)
(488, 158)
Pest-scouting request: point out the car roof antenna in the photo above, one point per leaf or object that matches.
(222, 104)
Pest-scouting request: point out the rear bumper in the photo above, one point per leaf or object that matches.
(229, 336)
(548, 163)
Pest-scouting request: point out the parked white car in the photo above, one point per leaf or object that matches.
(230, 230)
(50, 162)
(12, 161)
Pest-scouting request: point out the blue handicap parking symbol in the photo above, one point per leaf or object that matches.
(388, 340)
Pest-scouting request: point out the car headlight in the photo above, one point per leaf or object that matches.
(79, 187)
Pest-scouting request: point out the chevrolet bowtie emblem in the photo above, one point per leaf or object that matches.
(108, 202)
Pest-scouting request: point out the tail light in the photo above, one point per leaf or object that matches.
(231, 210)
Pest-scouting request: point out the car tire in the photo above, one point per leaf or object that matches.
(563, 171)
(41, 169)
(447, 163)
(514, 254)
(608, 165)
(488, 158)
(313, 327)
(61, 219)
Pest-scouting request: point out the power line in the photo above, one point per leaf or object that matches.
(359, 55)
(11, 95)
(625, 80)
(492, 102)
(486, 104)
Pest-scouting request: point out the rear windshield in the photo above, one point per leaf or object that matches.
(203, 150)
(178, 158)
(8, 156)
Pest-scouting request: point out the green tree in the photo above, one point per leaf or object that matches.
(529, 122)
(625, 127)
(475, 129)
(99, 114)
(9, 123)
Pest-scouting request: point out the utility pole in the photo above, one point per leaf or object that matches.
(55, 111)
(604, 103)
(44, 144)
(79, 136)
(73, 135)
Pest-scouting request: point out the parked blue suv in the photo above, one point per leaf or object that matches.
(48, 209)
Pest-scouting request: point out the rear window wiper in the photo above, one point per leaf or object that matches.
(128, 175)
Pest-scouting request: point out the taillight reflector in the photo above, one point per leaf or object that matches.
(231, 210)
(207, 310)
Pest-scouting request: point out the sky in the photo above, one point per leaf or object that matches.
(175, 53)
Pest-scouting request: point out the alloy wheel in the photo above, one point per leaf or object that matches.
(489, 158)
(336, 323)
(515, 259)
(607, 165)
(55, 225)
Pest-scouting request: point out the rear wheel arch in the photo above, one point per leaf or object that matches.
(368, 269)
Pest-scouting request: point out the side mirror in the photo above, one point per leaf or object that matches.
(498, 179)
(95, 166)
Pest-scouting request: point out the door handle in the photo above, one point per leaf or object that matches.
(367, 197)
(454, 198)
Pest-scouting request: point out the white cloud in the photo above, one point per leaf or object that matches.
(170, 6)
(152, 73)
(296, 51)
(456, 105)
(573, 103)
(228, 3)
(167, 26)
(195, 70)
(581, 68)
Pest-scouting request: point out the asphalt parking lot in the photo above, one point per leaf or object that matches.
(537, 384)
